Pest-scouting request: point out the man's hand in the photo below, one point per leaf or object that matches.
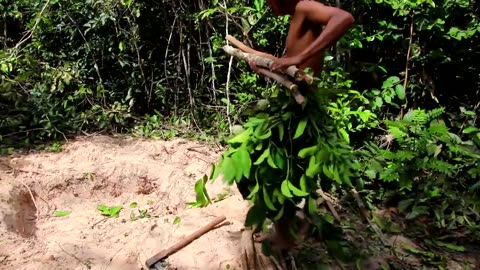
(282, 64)
(253, 66)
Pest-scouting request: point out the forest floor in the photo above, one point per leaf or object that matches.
(49, 217)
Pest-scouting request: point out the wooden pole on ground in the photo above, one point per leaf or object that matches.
(184, 242)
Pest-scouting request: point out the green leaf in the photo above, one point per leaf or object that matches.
(300, 128)
(309, 151)
(260, 129)
(469, 130)
(254, 191)
(62, 213)
(450, 246)
(279, 159)
(133, 205)
(280, 214)
(216, 170)
(271, 162)
(285, 190)
(115, 211)
(176, 220)
(344, 135)
(400, 91)
(267, 200)
(4, 68)
(266, 135)
(438, 150)
(336, 176)
(104, 209)
(263, 156)
(259, 146)
(378, 102)
(121, 46)
(313, 167)
(281, 131)
(346, 180)
(371, 173)
(286, 116)
(390, 82)
(297, 192)
(229, 171)
(303, 183)
(245, 161)
(201, 195)
(397, 133)
(328, 218)
(241, 138)
(322, 156)
(327, 171)
(277, 195)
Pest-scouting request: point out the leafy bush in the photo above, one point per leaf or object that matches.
(284, 152)
(427, 169)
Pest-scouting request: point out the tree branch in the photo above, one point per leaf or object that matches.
(293, 88)
(292, 71)
(264, 62)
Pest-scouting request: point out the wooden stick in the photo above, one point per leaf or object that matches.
(329, 204)
(292, 71)
(293, 88)
(239, 54)
(184, 242)
(264, 62)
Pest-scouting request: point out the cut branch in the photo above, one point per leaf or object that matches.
(292, 71)
(293, 88)
(264, 62)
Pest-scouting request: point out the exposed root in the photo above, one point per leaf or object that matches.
(37, 214)
(254, 259)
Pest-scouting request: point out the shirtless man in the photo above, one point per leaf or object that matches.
(314, 27)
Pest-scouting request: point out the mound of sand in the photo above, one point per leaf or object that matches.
(157, 176)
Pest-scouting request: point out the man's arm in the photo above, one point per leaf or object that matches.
(336, 21)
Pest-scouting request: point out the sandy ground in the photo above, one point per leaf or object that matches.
(159, 176)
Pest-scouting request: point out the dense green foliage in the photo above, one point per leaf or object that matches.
(396, 118)
(285, 152)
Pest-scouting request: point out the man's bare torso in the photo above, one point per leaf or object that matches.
(296, 43)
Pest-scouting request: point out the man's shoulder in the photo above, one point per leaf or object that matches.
(308, 5)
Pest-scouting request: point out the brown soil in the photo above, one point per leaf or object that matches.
(158, 175)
